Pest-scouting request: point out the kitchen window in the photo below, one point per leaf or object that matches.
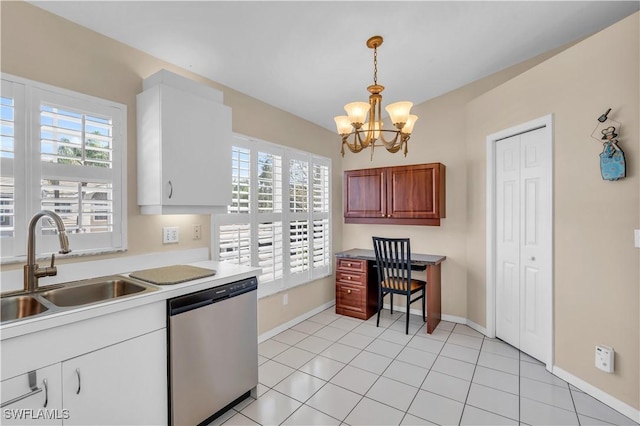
(279, 218)
(61, 151)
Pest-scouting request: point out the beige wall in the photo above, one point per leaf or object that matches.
(40, 46)
(595, 264)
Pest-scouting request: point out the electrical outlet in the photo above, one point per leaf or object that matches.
(285, 299)
(197, 232)
(170, 234)
(605, 357)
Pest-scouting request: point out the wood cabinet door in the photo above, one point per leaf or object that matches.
(413, 192)
(365, 194)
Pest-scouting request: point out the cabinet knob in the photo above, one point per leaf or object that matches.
(348, 277)
(383, 215)
(349, 290)
(348, 264)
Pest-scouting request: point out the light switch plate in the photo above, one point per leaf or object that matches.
(169, 234)
(636, 238)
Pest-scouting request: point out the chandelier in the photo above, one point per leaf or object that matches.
(365, 133)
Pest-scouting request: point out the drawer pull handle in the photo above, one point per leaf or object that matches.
(348, 277)
(79, 382)
(348, 264)
(46, 393)
(34, 390)
(349, 291)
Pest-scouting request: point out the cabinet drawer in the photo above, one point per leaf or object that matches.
(354, 278)
(356, 265)
(350, 299)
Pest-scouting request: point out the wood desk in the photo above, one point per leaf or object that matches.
(357, 284)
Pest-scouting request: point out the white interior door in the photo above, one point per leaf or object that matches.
(523, 232)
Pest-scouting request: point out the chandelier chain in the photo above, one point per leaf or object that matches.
(375, 65)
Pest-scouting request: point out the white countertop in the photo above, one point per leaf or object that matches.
(225, 273)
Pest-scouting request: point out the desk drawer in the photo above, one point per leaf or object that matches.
(348, 277)
(350, 300)
(348, 264)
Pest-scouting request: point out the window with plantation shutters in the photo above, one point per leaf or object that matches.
(283, 225)
(72, 146)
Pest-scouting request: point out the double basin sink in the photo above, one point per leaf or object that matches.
(70, 295)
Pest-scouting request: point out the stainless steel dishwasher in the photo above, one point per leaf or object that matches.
(213, 350)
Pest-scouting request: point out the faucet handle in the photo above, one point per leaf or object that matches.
(48, 271)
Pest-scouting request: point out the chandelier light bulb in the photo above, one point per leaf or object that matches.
(399, 112)
(411, 121)
(357, 112)
(376, 129)
(343, 124)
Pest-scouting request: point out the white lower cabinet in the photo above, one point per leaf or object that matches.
(122, 384)
(106, 370)
(37, 399)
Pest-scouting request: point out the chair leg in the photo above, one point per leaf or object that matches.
(407, 314)
(424, 297)
(391, 303)
(379, 307)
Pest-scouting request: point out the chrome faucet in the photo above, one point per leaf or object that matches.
(31, 270)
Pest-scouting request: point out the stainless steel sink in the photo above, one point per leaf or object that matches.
(95, 290)
(17, 307)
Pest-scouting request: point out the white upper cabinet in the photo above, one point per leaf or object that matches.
(184, 147)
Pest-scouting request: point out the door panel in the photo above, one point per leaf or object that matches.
(535, 304)
(508, 238)
(523, 284)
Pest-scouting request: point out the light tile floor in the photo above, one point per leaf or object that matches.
(336, 370)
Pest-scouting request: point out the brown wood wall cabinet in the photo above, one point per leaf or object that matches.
(354, 297)
(401, 195)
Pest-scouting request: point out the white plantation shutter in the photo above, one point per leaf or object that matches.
(78, 147)
(240, 181)
(298, 246)
(269, 183)
(235, 243)
(70, 151)
(270, 251)
(321, 247)
(13, 206)
(289, 238)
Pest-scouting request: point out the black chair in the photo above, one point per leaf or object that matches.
(393, 261)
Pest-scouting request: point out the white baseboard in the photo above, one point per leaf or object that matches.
(621, 407)
(279, 329)
(444, 317)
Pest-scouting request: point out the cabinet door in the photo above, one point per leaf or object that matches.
(40, 408)
(413, 192)
(122, 384)
(365, 195)
(196, 150)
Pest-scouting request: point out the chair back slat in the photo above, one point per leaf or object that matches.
(393, 261)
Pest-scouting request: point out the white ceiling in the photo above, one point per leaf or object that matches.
(310, 58)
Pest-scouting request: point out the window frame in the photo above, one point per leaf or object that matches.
(27, 184)
(254, 218)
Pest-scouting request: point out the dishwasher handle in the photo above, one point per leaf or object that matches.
(181, 309)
